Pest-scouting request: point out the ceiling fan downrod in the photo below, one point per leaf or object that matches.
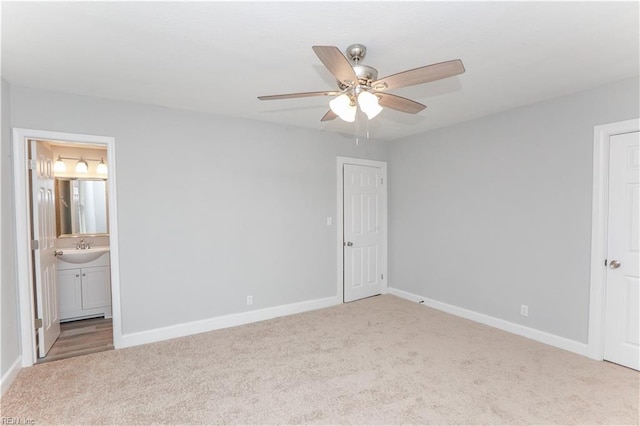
(365, 73)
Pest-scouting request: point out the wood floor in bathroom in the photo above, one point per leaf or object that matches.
(80, 338)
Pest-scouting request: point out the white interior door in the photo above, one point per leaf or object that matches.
(363, 231)
(622, 320)
(44, 231)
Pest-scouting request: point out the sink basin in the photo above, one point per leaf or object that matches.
(82, 256)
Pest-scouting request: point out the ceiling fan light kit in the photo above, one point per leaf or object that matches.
(344, 107)
(359, 85)
(368, 103)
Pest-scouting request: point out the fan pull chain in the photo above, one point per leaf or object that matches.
(368, 128)
(359, 129)
(357, 126)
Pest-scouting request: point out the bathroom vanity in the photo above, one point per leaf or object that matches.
(84, 288)
(84, 277)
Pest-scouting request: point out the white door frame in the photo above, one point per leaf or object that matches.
(599, 235)
(23, 232)
(382, 165)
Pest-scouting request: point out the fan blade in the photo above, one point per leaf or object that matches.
(420, 75)
(296, 95)
(399, 103)
(330, 115)
(335, 62)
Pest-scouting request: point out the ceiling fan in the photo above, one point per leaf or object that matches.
(359, 86)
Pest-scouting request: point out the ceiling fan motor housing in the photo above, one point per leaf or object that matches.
(365, 74)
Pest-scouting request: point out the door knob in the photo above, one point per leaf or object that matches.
(614, 264)
(349, 243)
(58, 253)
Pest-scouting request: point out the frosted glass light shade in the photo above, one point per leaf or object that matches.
(369, 104)
(82, 166)
(102, 167)
(59, 166)
(342, 107)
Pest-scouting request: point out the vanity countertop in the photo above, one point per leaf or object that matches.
(72, 258)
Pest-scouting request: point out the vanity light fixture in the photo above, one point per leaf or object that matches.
(59, 166)
(102, 167)
(82, 166)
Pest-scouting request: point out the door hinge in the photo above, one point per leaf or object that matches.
(38, 323)
(33, 164)
(381, 180)
(382, 276)
(35, 245)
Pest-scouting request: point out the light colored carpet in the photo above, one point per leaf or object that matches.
(379, 360)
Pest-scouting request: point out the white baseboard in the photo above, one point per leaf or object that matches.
(195, 327)
(10, 375)
(528, 332)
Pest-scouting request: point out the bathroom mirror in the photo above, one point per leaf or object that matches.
(81, 207)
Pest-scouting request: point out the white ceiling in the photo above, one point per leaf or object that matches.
(218, 57)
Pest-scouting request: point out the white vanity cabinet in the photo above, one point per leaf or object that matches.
(84, 290)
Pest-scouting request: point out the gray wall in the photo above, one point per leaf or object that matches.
(485, 215)
(8, 290)
(494, 213)
(210, 209)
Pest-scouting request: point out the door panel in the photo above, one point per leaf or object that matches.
(44, 231)
(622, 304)
(363, 237)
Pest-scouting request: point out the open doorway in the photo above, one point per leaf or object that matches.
(66, 244)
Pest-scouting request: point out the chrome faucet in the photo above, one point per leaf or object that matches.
(82, 245)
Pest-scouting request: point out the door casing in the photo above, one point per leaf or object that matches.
(599, 235)
(382, 165)
(23, 232)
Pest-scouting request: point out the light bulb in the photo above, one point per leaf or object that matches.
(369, 104)
(82, 166)
(102, 167)
(343, 108)
(59, 166)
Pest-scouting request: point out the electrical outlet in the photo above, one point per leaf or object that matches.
(524, 310)
(249, 300)
(329, 221)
